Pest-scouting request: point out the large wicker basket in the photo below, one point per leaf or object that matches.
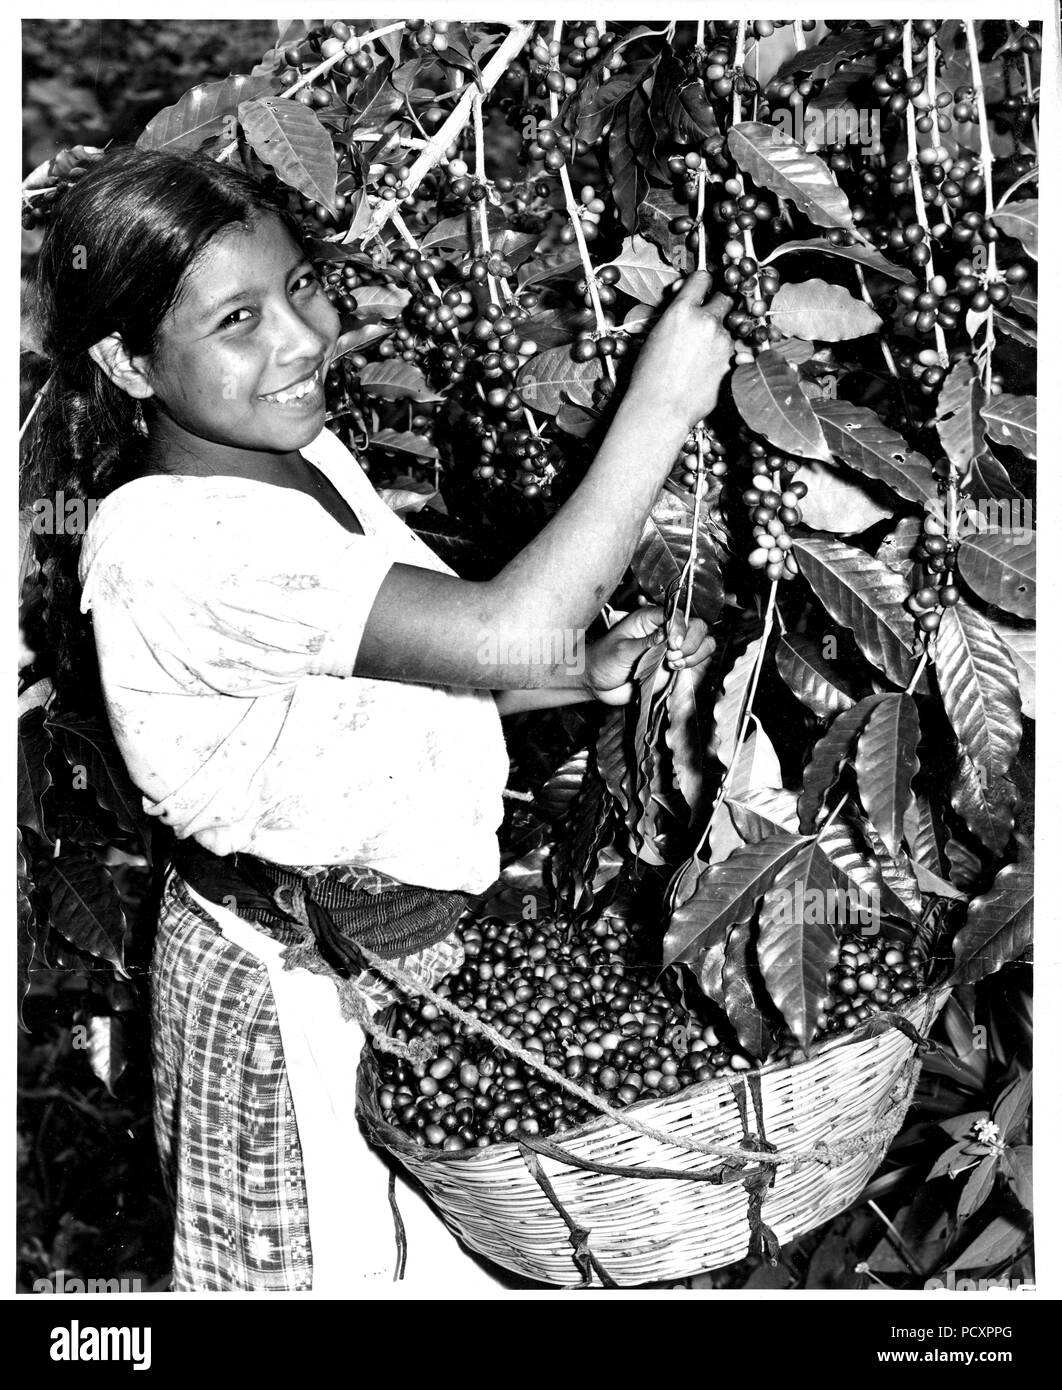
(645, 1230)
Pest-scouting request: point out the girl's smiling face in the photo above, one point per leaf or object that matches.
(242, 355)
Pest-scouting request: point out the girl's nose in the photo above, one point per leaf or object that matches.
(297, 338)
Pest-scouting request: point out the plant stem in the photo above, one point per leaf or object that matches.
(735, 119)
(370, 137)
(934, 114)
(916, 180)
(986, 171)
(918, 671)
(702, 239)
(481, 177)
(905, 1249)
(320, 70)
(435, 148)
(577, 227)
(1029, 92)
(886, 351)
(724, 787)
(691, 562)
(33, 409)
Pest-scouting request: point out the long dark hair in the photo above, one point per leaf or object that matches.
(115, 256)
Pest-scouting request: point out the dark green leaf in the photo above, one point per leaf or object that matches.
(1017, 1163)
(612, 760)
(396, 381)
(726, 893)
(769, 396)
(986, 808)
(731, 703)
(862, 255)
(896, 549)
(1011, 1108)
(663, 551)
(886, 760)
(1021, 221)
(1012, 420)
(998, 926)
(797, 945)
(683, 735)
(404, 442)
(289, 138)
(84, 905)
(822, 59)
(776, 162)
(977, 1188)
(979, 687)
(998, 1242)
(643, 272)
(959, 425)
(595, 100)
(838, 501)
(202, 113)
(919, 829)
(764, 812)
(544, 378)
(34, 779)
(743, 993)
(629, 183)
(381, 301)
(106, 1048)
(860, 874)
(865, 596)
(816, 309)
(1021, 643)
(857, 437)
(812, 679)
(828, 756)
(89, 742)
(1000, 566)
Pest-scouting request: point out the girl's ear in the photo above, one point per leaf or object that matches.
(112, 357)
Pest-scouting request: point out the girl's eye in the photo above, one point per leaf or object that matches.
(233, 320)
(307, 281)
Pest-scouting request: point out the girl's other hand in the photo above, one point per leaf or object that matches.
(688, 353)
(611, 660)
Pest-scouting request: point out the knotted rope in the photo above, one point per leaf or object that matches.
(827, 1154)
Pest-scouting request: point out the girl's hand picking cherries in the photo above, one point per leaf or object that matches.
(610, 661)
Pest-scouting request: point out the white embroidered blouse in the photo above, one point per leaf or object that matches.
(227, 614)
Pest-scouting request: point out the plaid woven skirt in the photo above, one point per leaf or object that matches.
(225, 1122)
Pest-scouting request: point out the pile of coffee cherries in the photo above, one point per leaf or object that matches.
(872, 974)
(619, 1030)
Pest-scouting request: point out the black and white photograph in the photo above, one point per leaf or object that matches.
(585, 846)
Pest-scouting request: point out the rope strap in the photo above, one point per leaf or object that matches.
(578, 1237)
(826, 1154)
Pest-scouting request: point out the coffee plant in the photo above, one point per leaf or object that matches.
(499, 212)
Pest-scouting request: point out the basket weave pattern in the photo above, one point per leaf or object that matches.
(645, 1230)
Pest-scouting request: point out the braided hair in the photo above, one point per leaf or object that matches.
(118, 248)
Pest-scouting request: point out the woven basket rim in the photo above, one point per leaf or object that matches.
(398, 1143)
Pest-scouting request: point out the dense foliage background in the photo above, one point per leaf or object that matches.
(868, 719)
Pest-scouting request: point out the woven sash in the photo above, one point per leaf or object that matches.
(347, 906)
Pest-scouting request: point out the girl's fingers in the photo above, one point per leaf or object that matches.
(694, 289)
(685, 639)
(692, 656)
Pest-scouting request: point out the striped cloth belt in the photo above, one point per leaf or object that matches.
(347, 906)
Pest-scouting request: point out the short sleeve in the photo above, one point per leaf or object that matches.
(236, 594)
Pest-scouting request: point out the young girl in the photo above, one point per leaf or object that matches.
(300, 689)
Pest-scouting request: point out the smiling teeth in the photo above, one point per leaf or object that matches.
(296, 392)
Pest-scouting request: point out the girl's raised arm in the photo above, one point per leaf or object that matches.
(435, 628)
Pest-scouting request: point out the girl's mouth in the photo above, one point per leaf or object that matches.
(301, 394)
